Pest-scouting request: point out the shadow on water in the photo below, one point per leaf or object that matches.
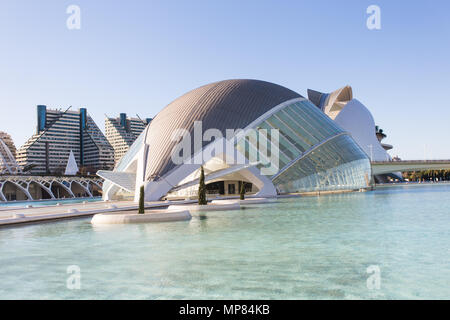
(203, 217)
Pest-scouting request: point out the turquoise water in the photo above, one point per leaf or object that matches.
(46, 202)
(299, 248)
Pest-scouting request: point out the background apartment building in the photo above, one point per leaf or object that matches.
(121, 132)
(58, 132)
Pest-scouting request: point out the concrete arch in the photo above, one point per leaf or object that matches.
(2, 197)
(97, 183)
(14, 196)
(42, 188)
(95, 189)
(26, 188)
(82, 186)
(44, 183)
(69, 192)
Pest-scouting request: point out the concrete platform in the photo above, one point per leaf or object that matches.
(152, 216)
(16, 216)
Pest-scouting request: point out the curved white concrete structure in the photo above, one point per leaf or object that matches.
(279, 143)
(357, 119)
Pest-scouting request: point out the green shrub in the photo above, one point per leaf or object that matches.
(141, 200)
(202, 189)
(242, 191)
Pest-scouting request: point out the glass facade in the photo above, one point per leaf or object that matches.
(312, 152)
(41, 118)
(338, 164)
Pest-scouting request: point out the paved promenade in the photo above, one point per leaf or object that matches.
(22, 215)
(11, 216)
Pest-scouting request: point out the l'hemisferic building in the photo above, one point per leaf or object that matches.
(253, 132)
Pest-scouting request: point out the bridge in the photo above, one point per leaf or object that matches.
(384, 167)
(25, 188)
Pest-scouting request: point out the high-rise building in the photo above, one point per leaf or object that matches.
(121, 132)
(59, 132)
(8, 163)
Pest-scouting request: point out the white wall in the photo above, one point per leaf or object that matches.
(356, 119)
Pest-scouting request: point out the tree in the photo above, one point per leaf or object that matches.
(141, 200)
(202, 188)
(29, 167)
(242, 191)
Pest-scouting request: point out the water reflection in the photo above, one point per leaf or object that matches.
(309, 247)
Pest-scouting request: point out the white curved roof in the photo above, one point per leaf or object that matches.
(357, 119)
(337, 100)
(229, 104)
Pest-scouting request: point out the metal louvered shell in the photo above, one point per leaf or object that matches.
(314, 97)
(229, 104)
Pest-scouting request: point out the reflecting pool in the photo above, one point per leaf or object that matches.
(43, 203)
(298, 248)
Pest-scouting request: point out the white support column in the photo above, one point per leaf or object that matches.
(2, 196)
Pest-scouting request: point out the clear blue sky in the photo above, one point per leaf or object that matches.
(138, 56)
